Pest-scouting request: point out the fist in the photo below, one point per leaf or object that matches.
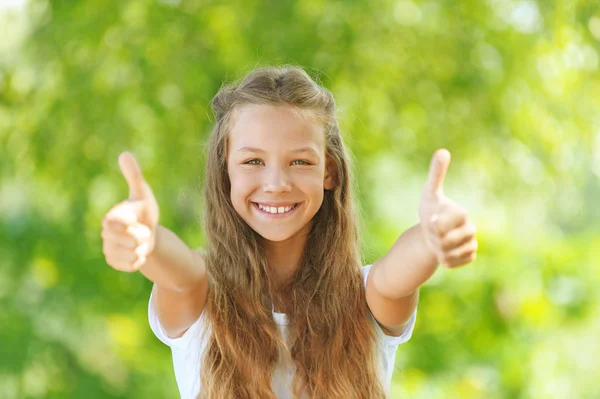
(129, 228)
(446, 227)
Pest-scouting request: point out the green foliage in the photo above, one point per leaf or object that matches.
(510, 87)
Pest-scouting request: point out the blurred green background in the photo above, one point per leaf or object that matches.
(510, 87)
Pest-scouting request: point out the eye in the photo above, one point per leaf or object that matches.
(253, 162)
(303, 162)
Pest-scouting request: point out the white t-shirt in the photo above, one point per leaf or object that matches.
(188, 349)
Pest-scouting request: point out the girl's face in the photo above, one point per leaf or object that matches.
(278, 170)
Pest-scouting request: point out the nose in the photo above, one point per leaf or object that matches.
(276, 181)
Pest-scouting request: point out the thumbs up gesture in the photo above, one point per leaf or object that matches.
(446, 228)
(129, 228)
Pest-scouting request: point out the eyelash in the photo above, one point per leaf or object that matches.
(252, 160)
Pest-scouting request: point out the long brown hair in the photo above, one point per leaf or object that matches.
(331, 334)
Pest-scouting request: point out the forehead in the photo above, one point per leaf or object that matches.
(274, 127)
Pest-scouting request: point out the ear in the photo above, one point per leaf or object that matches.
(330, 180)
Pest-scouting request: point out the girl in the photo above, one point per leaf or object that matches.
(278, 305)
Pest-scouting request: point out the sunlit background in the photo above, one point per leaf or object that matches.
(511, 88)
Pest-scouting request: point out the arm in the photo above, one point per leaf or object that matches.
(181, 282)
(394, 280)
(132, 240)
(443, 236)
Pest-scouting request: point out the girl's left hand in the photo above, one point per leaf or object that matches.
(446, 228)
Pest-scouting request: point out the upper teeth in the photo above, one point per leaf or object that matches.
(272, 209)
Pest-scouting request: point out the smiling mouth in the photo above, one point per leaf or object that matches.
(272, 210)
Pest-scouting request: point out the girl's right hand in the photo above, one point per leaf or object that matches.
(129, 228)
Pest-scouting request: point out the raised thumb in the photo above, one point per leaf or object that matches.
(131, 171)
(437, 171)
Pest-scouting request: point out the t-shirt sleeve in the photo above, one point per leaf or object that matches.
(388, 340)
(158, 330)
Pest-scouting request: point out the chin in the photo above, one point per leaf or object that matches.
(274, 237)
(284, 234)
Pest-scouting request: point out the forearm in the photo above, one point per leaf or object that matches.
(407, 265)
(173, 265)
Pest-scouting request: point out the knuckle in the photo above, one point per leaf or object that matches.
(434, 223)
(133, 265)
(125, 266)
(444, 243)
(107, 250)
(110, 215)
(123, 241)
(129, 257)
(469, 237)
(467, 250)
(460, 211)
(472, 228)
(131, 242)
(109, 246)
(105, 236)
(448, 243)
(113, 226)
(442, 218)
(120, 265)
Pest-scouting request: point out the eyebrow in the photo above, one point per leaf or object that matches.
(296, 151)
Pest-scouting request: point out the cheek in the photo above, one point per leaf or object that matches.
(313, 188)
(237, 189)
(242, 187)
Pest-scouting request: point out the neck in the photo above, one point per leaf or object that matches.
(284, 260)
(284, 257)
